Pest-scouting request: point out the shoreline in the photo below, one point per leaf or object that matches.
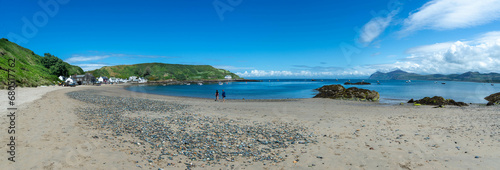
(287, 99)
(349, 134)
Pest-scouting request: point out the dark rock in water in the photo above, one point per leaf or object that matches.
(358, 83)
(339, 92)
(410, 101)
(438, 100)
(356, 93)
(493, 99)
(330, 91)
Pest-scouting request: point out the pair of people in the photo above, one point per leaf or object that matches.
(217, 95)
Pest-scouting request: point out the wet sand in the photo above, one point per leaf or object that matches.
(350, 135)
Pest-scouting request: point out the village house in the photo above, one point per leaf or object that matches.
(103, 79)
(132, 78)
(142, 80)
(85, 79)
(69, 80)
(114, 80)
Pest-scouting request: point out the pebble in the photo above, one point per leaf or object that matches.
(195, 137)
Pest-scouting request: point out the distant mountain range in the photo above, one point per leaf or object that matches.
(468, 76)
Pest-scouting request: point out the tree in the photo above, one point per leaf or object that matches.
(147, 72)
(49, 60)
(59, 68)
(55, 65)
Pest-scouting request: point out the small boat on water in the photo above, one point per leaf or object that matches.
(409, 81)
(220, 83)
(443, 83)
(200, 84)
(188, 84)
(313, 80)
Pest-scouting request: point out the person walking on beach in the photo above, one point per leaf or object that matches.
(223, 96)
(216, 95)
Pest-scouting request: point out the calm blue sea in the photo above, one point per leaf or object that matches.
(391, 91)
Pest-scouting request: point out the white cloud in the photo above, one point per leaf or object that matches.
(375, 27)
(232, 67)
(481, 54)
(430, 48)
(78, 58)
(452, 14)
(87, 67)
(489, 37)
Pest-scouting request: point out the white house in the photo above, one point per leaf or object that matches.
(100, 79)
(132, 78)
(142, 80)
(228, 77)
(113, 80)
(69, 80)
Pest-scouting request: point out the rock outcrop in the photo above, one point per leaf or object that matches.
(437, 100)
(339, 92)
(493, 99)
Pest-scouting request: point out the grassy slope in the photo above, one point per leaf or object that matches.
(161, 71)
(29, 72)
(75, 70)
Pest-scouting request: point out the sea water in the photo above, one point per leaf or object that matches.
(391, 91)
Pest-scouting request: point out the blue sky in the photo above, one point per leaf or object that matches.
(261, 39)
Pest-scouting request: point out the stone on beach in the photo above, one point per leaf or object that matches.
(196, 137)
(337, 91)
(493, 99)
(437, 100)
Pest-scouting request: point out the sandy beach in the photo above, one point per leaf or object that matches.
(53, 131)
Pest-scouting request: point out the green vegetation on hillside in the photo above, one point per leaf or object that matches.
(469, 76)
(160, 71)
(57, 66)
(30, 69)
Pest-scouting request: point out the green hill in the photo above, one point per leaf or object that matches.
(469, 76)
(32, 70)
(161, 71)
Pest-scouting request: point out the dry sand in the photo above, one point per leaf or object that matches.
(351, 135)
(25, 95)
